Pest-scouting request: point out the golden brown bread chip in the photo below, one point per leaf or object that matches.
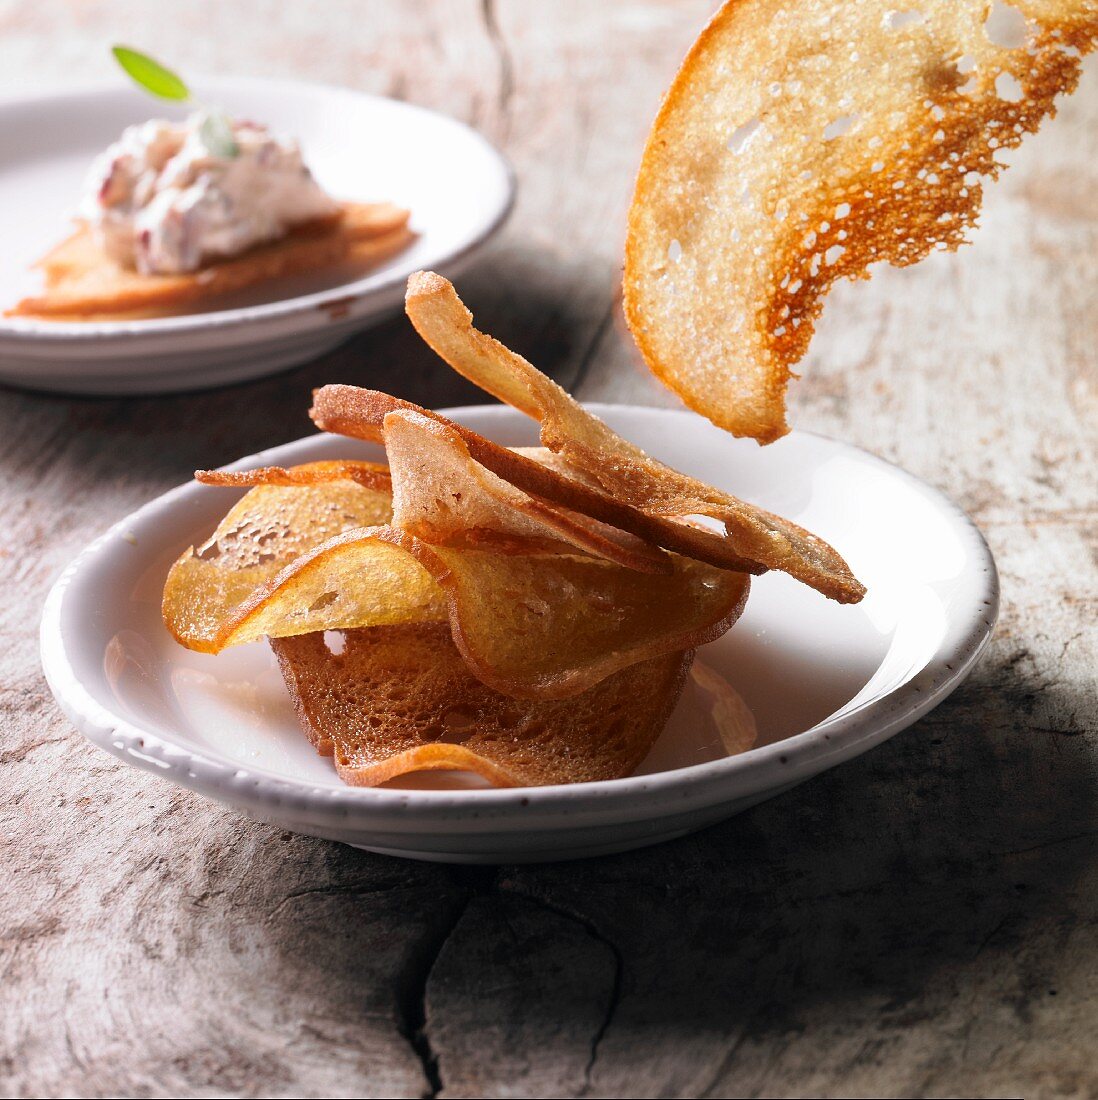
(399, 699)
(83, 284)
(803, 141)
(365, 576)
(550, 626)
(441, 495)
(267, 529)
(360, 414)
(616, 466)
(370, 475)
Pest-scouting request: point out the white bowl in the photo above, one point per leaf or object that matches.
(825, 682)
(361, 147)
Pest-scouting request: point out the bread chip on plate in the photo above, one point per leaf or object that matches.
(803, 141)
(443, 496)
(370, 475)
(399, 699)
(602, 458)
(82, 283)
(537, 626)
(265, 531)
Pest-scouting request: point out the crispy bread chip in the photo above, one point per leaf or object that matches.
(365, 576)
(265, 531)
(360, 414)
(83, 284)
(296, 559)
(802, 142)
(617, 467)
(370, 475)
(400, 699)
(549, 627)
(442, 495)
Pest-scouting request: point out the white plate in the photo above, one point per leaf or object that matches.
(825, 682)
(361, 147)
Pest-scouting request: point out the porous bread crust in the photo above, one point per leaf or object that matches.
(82, 283)
(400, 699)
(765, 221)
(360, 414)
(370, 475)
(599, 456)
(443, 496)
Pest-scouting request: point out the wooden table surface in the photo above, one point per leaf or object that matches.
(921, 921)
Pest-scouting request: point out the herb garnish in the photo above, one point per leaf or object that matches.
(216, 130)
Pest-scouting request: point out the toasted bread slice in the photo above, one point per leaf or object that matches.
(400, 699)
(84, 284)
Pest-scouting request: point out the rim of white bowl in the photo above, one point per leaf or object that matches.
(835, 738)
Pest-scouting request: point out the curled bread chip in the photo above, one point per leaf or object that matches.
(370, 475)
(360, 414)
(400, 699)
(598, 454)
(83, 284)
(365, 576)
(803, 141)
(265, 531)
(442, 495)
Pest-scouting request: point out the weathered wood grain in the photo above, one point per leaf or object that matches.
(923, 921)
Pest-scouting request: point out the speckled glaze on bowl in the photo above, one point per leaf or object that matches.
(458, 187)
(825, 682)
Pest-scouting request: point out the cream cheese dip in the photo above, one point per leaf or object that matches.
(164, 198)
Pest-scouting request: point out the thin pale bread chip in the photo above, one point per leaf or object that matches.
(442, 495)
(400, 699)
(267, 529)
(802, 142)
(616, 466)
(360, 414)
(82, 283)
(370, 475)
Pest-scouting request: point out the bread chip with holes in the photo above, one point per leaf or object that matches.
(803, 141)
(400, 699)
(84, 284)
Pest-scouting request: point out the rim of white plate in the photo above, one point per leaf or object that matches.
(650, 796)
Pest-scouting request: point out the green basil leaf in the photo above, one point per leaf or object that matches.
(150, 74)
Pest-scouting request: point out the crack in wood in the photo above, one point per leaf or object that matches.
(410, 985)
(503, 58)
(613, 999)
